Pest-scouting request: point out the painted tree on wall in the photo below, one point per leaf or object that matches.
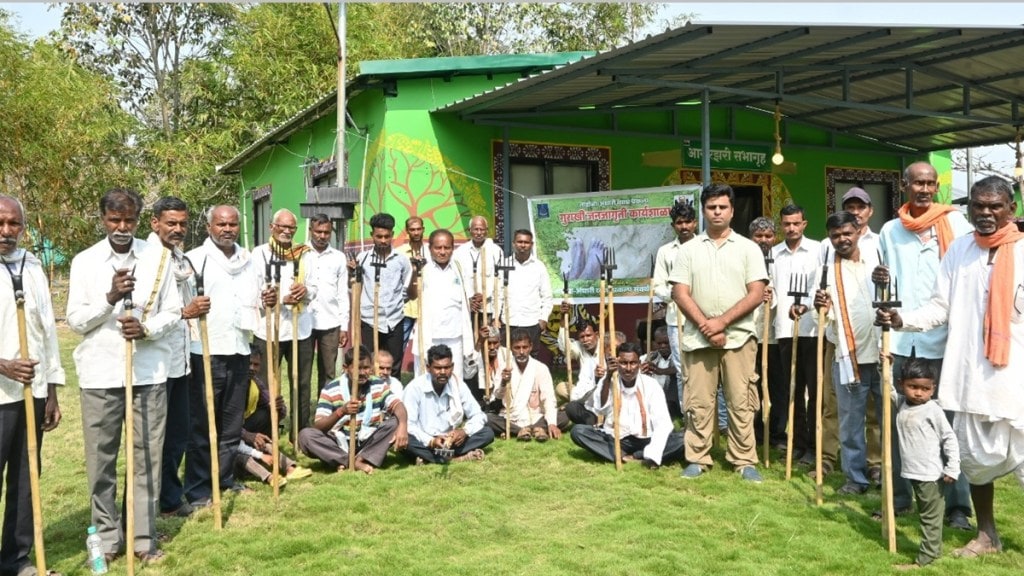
(409, 177)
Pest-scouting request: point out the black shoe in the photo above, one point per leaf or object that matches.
(958, 519)
(183, 511)
(852, 488)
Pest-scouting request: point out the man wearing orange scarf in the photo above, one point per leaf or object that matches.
(912, 246)
(979, 291)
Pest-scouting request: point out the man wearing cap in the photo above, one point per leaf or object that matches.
(912, 245)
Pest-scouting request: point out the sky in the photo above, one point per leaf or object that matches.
(36, 19)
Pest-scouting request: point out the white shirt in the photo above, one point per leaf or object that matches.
(859, 292)
(331, 306)
(632, 420)
(969, 382)
(805, 260)
(483, 282)
(234, 299)
(529, 289)
(100, 357)
(663, 264)
(533, 394)
(307, 267)
(661, 363)
(179, 338)
(587, 361)
(39, 324)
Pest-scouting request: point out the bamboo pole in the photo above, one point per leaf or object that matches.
(819, 409)
(211, 419)
(790, 428)
(616, 393)
(272, 384)
(31, 428)
(766, 403)
(889, 513)
(353, 376)
(129, 448)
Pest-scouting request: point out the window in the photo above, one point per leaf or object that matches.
(540, 169)
(262, 212)
(531, 179)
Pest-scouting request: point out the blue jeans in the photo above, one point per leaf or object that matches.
(852, 401)
(407, 326)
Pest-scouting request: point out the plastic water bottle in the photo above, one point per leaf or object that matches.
(97, 559)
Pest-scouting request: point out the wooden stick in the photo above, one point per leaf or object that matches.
(294, 377)
(766, 403)
(679, 346)
(353, 376)
(616, 393)
(129, 449)
(419, 329)
(211, 421)
(508, 364)
(790, 428)
(275, 473)
(31, 436)
(889, 513)
(650, 308)
(819, 409)
(568, 348)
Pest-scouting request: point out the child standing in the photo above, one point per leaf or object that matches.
(931, 457)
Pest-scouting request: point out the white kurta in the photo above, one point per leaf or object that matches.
(533, 394)
(969, 382)
(631, 419)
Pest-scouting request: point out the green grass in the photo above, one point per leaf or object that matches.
(533, 509)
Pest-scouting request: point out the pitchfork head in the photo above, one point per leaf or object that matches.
(608, 264)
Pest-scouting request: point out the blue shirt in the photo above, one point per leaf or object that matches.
(914, 266)
(394, 277)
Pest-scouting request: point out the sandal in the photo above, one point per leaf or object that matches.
(525, 435)
(973, 549)
(540, 434)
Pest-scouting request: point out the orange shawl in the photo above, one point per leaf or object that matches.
(934, 216)
(1000, 305)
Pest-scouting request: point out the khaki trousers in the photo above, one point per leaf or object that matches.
(735, 369)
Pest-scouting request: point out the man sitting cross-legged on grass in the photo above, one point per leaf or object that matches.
(327, 439)
(534, 414)
(645, 427)
(445, 421)
(255, 450)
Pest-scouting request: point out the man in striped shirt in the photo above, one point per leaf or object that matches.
(380, 420)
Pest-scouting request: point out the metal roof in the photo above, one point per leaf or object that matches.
(913, 88)
(377, 73)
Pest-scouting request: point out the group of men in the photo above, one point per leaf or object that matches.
(135, 303)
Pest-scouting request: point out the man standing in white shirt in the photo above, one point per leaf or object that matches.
(330, 308)
(529, 290)
(796, 265)
(852, 332)
(170, 225)
(684, 224)
(96, 310)
(645, 427)
(482, 251)
(295, 294)
(446, 320)
(229, 283)
(41, 370)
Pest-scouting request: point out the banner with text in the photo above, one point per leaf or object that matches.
(571, 232)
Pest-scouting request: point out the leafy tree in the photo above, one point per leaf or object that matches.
(65, 141)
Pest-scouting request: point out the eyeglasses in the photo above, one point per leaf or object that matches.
(283, 227)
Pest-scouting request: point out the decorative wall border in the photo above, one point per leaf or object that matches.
(540, 151)
(890, 178)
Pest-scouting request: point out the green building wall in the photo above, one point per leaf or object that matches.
(408, 161)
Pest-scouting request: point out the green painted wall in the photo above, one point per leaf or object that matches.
(440, 167)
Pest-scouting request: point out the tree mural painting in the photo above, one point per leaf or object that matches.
(409, 177)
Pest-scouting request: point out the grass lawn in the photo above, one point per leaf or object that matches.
(532, 509)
